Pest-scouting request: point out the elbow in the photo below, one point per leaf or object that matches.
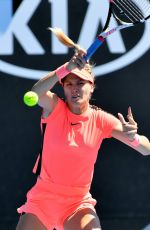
(36, 90)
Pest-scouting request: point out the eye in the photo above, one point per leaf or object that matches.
(81, 83)
(68, 84)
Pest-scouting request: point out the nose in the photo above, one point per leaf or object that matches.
(74, 88)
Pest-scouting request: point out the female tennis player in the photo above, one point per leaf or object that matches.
(73, 131)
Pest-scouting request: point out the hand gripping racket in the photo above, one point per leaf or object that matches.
(127, 13)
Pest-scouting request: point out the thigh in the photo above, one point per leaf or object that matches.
(29, 221)
(84, 219)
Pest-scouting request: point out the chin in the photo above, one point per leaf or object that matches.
(77, 102)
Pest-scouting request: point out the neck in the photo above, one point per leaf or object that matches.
(79, 110)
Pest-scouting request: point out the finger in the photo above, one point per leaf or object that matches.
(80, 50)
(131, 132)
(121, 118)
(77, 61)
(130, 114)
(80, 58)
(130, 127)
(131, 120)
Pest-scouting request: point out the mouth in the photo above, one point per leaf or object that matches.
(75, 98)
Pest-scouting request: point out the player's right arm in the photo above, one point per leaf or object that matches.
(47, 99)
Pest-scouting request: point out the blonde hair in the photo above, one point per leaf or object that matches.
(65, 40)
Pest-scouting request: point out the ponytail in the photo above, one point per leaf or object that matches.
(63, 38)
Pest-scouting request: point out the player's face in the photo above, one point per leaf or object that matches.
(77, 92)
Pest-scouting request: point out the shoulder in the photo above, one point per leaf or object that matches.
(57, 110)
(103, 117)
(95, 108)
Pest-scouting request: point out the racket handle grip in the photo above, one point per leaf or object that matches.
(93, 47)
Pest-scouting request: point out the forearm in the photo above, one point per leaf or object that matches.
(142, 147)
(45, 84)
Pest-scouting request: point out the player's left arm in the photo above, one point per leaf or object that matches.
(126, 132)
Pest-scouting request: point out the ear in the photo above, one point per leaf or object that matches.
(92, 88)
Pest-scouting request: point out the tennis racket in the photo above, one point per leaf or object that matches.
(128, 13)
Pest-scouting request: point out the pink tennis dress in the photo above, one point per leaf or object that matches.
(65, 166)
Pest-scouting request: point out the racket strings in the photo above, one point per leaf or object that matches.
(124, 7)
(137, 13)
(134, 11)
(144, 6)
(130, 10)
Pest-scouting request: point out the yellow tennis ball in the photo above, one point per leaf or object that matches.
(30, 98)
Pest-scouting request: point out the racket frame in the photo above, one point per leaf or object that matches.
(106, 32)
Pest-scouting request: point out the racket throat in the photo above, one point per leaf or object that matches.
(100, 38)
